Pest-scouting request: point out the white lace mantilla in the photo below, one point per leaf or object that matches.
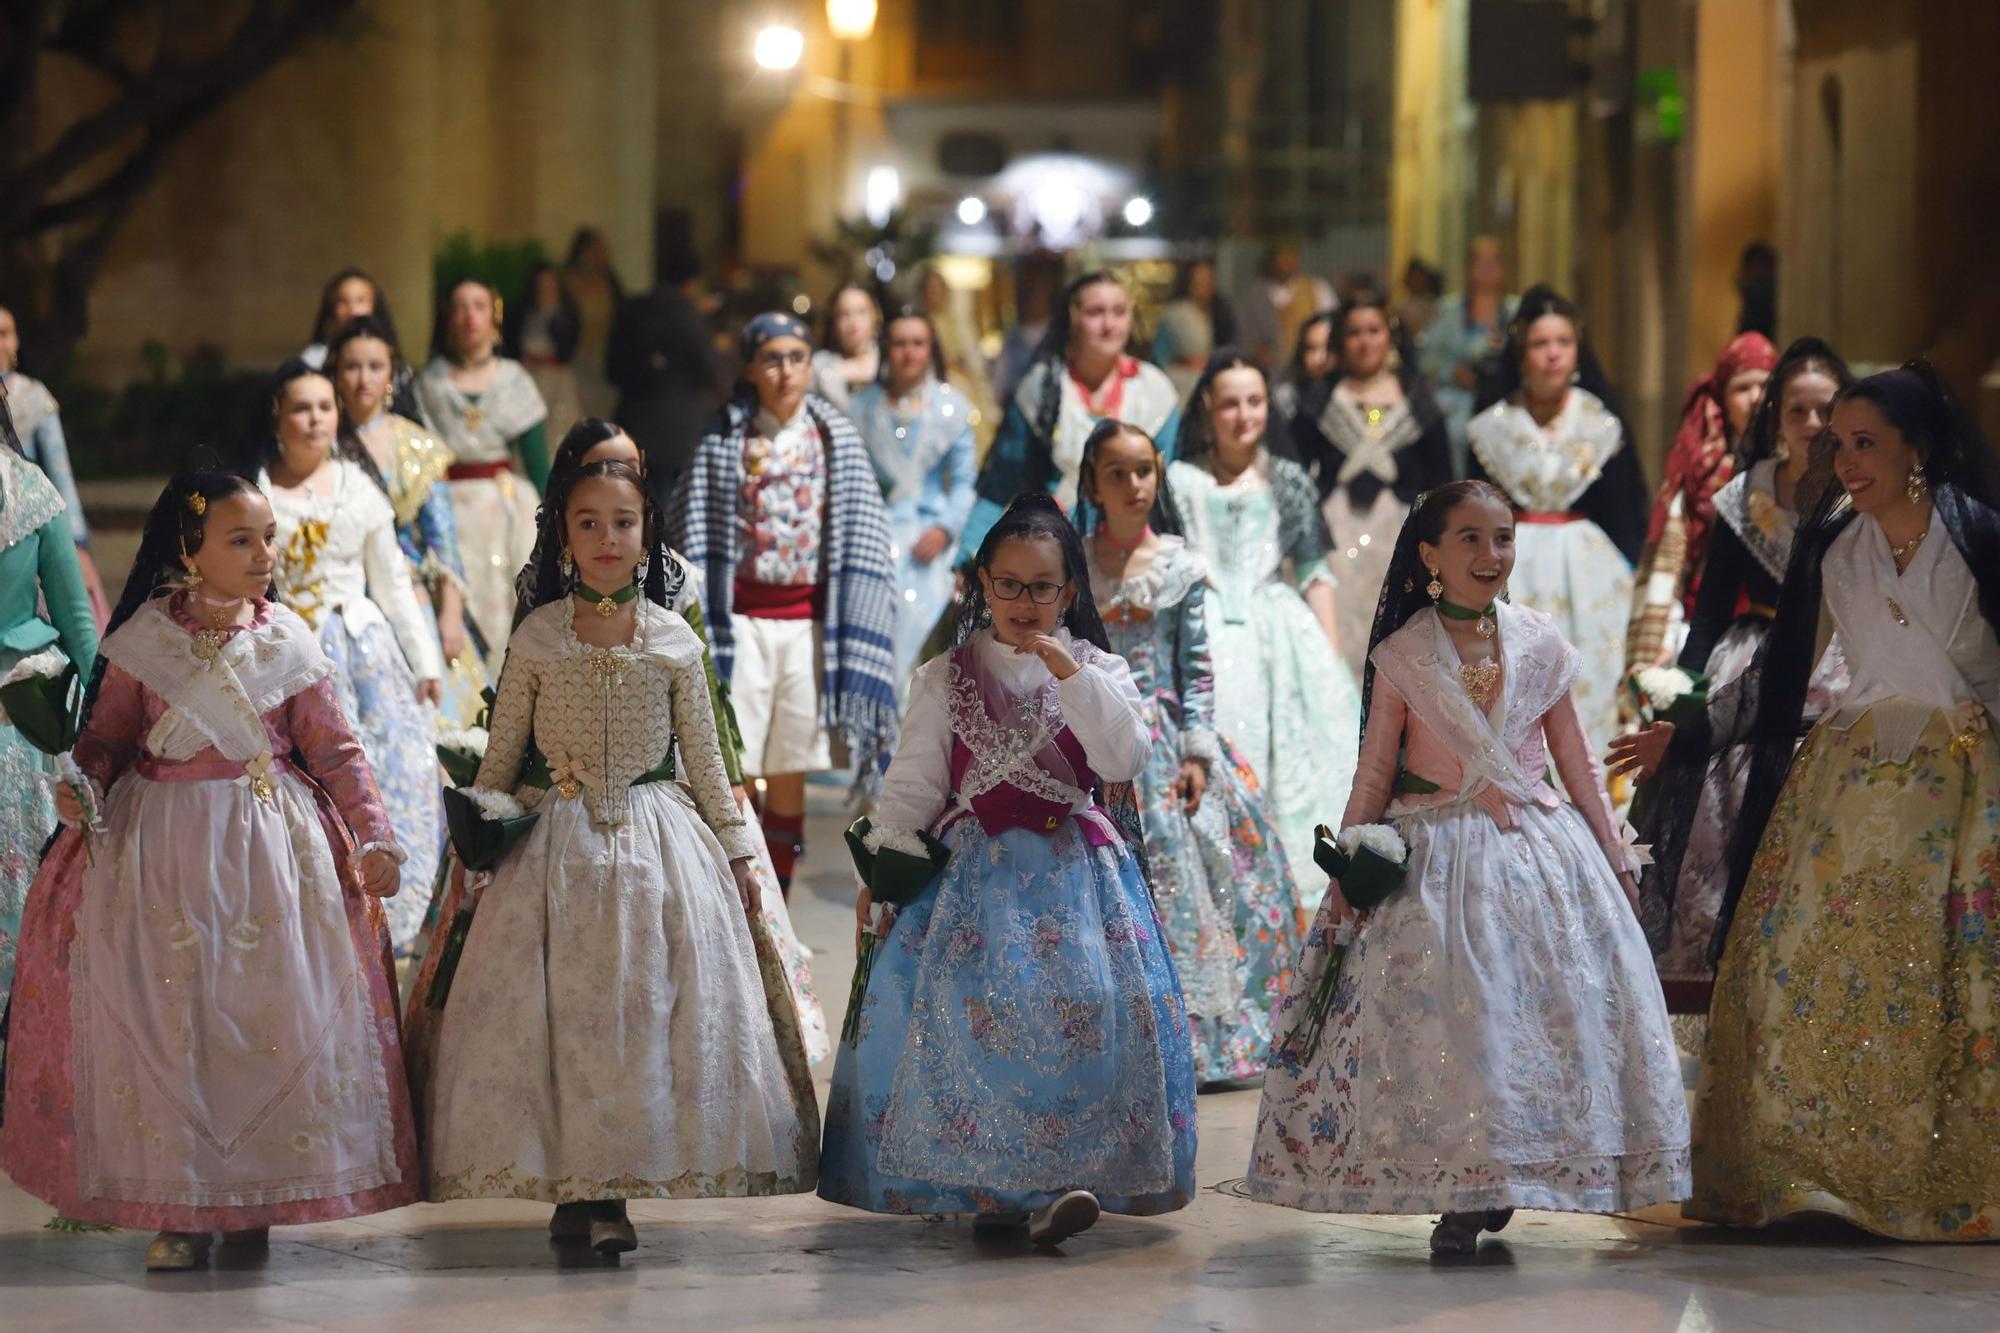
(1546, 471)
(27, 498)
(1003, 750)
(1749, 505)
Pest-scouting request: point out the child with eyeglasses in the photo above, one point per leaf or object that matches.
(1021, 1052)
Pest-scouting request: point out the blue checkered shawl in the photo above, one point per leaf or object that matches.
(858, 684)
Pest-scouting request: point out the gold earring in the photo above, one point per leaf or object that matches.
(193, 579)
(639, 572)
(567, 565)
(1916, 485)
(1435, 588)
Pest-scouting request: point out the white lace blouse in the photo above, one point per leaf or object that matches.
(1100, 705)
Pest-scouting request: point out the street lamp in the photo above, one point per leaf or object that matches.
(850, 20)
(779, 47)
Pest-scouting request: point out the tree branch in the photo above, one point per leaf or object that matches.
(169, 99)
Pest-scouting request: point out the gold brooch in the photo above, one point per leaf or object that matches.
(1479, 680)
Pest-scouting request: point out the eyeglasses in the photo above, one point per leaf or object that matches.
(1041, 594)
(789, 360)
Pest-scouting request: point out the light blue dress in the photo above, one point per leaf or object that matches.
(1023, 1033)
(1289, 702)
(1220, 879)
(38, 566)
(923, 454)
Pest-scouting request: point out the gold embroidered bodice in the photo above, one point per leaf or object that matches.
(604, 717)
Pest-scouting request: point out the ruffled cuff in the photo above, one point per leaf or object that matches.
(1201, 745)
(896, 839)
(388, 849)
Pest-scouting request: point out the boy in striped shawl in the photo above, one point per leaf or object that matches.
(784, 519)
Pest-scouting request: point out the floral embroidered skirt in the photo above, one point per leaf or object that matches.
(1023, 1034)
(1498, 1039)
(1226, 902)
(204, 1027)
(1853, 1058)
(27, 817)
(399, 739)
(617, 1026)
(1291, 708)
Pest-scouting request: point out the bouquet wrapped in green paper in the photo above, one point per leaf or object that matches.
(484, 827)
(43, 707)
(1668, 694)
(1369, 861)
(894, 876)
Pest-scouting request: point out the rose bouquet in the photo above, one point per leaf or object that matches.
(897, 866)
(1369, 862)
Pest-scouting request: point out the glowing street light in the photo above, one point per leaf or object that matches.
(1138, 211)
(971, 210)
(779, 47)
(850, 20)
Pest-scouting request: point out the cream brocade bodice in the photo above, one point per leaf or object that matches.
(604, 717)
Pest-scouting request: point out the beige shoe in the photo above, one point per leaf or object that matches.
(176, 1251)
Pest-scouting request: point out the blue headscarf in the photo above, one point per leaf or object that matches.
(771, 324)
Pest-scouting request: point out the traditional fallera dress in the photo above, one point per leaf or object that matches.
(1580, 504)
(415, 483)
(1370, 461)
(1498, 1038)
(617, 1026)
(1852, 1066)
(1040, 442)
(204, 1028)
(340, 569)
(1219, 877)
(38, 568)
(1693, 805)
(1023, 1032)
(922, 447)
(492, 436)
(1289, 705)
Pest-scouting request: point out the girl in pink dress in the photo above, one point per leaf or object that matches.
(1497, 1038)
(204, 1029)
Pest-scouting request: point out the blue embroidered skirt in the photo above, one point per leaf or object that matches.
(1023, 1034)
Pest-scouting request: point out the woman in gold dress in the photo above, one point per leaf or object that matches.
(1851, 1067)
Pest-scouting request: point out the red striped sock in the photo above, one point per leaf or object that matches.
(785, 835)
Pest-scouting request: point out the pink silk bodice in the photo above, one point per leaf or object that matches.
(309, 721)
(1393, 727)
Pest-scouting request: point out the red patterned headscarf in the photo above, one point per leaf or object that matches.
(1700, 462)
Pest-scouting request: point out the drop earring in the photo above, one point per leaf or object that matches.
(193, 577)
(567, 565)
(1917, 485)
(639, 572)
(1435, 588)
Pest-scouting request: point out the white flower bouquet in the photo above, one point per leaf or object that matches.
(1668, 694)
(1367, 859)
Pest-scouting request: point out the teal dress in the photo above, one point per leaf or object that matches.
(37, 565)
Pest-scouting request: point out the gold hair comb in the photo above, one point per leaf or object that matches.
(197, 503)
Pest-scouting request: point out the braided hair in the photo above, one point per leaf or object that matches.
(1403, 592)
(1034, 514)
(1164, 517)
(265, 448)
(174, 530)
(548, 581)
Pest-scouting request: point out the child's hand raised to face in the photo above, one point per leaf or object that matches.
(1055, 656)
